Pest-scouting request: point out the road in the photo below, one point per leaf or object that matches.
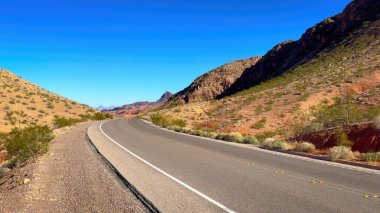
(180, 173)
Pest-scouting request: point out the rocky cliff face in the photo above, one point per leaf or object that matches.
(286, 56)
(215, 82)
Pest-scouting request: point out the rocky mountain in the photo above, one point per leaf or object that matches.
(331, 74)
(214, 83)
(327, 34)
(103, 108)
(30, 104)
(139, 107)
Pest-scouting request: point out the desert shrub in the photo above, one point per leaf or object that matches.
(259, 124)
(212, 135)
(340, 152)
(251, 140)
(202, 133)
(165, 121)
(176, 128)
(370, 156)
(220, 136)
(196, 132)
(263, 136)
(267, 142)
(304, 147)
(179, 122)
(233, 137)
(98, 116)
(342, 139)
(280, 145)
(24, 143)
(159, 120)
(60, 122)
(338, 115)
(376, 122)
(185, 130)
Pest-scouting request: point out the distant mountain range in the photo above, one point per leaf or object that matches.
(104, 108)
(138, 107)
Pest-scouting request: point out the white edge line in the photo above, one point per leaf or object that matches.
(168, 175)
(334, 164)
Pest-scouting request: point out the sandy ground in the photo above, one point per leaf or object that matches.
(71, 177)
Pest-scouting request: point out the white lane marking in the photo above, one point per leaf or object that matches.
(251, 147)
(168, 175)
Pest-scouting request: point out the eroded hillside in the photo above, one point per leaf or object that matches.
(23, 103)
(213, 83)
(342, 76)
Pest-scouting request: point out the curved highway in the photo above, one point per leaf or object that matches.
(180, 173)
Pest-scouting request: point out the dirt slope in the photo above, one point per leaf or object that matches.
(38, 105)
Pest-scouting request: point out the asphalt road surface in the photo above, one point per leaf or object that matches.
(180, 173)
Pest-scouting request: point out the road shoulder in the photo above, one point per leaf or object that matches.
(71, 177)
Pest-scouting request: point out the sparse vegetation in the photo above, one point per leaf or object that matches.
(60, 122)
(259, 124)
(234, 137)
(276, 144)
(251, 140)
(304, 147)
(371, 157)
(166, 121)
(22, 144)
(342, 139)
(340, 153)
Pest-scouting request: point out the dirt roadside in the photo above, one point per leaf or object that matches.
(71, 177)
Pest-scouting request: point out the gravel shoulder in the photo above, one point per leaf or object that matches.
(71, 177)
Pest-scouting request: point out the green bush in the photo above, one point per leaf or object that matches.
(280, 145)
(339, 114)
(304, 147)
(220, 136)
(231, 137)
(251, 140)
(340, 152)
(60, 122)
(259, 124)
(342, 139)
(165, 121)
(179, 122)
(28, 142)
(99, 116)
(370, 156)
(263, 136)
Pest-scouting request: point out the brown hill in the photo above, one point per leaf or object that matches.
(31, 104)
(139, 107)
(213, 83)
(326, 35)
(340, 82)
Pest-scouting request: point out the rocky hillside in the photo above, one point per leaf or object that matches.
(336, 80)
(30, 104)
(213, 83)
(326, 35)
(139, 107)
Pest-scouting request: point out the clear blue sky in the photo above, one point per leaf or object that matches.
(113, 52)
